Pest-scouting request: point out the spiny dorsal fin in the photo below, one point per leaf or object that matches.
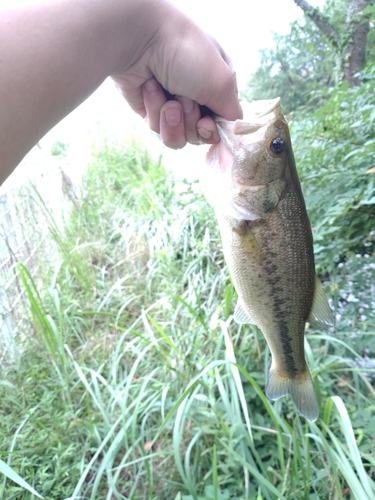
(320, 314)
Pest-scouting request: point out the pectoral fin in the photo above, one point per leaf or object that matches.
(248, 240)
(320, 314)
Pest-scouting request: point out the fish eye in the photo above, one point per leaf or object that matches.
(277, 146)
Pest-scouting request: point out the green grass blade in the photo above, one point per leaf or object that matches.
(236, 375)
(185, 394)
(11, 474)
(255, 473)
(347, 430)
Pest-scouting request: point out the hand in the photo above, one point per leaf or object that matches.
(55, 53)
(190, 65)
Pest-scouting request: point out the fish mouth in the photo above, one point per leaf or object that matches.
(257, 117)
(258, 109)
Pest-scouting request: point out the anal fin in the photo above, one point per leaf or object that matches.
(242, 317)
(320, 314)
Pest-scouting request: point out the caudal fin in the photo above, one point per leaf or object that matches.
(300, 388)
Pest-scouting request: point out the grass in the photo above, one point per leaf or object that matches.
(138, 384)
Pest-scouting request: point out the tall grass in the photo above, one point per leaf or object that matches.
(138, 384)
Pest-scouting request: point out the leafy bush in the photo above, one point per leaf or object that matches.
(59, 148)
(335, 149)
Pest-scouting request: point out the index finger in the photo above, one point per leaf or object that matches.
(215, 85)
(223, 96)
(223, 100)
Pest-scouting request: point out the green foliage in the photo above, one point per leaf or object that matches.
(137, 383)
(11, 474)
(59, 148)
(295, 68)
(335, 148)
(370, 54)
(303, 66)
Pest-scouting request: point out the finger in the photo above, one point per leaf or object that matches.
(207, 130)
(222, 98)
(172, 127)
(154, 99)
(191, 117)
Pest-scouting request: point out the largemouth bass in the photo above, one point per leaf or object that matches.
(252, 182)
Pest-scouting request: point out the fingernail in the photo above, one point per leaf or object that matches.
(151, 85)
(204, 133)
(173, 116)
(187, 104)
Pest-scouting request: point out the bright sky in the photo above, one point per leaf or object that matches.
(242, 27)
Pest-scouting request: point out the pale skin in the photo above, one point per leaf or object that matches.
(55, 53)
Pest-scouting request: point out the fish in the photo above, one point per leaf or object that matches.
(250, 179)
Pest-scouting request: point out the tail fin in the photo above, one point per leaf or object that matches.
(301, 389)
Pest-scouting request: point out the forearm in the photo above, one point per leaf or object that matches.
(53, 55)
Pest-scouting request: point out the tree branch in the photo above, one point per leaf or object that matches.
(320, 21)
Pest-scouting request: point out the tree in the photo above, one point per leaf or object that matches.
(334, 148)
(323, 49)
(350, 43)
(295, 68)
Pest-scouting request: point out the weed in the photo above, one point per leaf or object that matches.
(138, 384)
